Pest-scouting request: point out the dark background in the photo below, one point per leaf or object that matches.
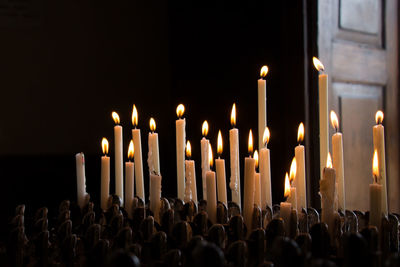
(66, 65)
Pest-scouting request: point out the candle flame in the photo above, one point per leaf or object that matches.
(233, 115)
(264, 71)
(256, 157)
(287, 186)
(379, 117)
(104, 145)
(250, 147)
(318, 64)
(334, 120)
(134, 116)
(375, 165)
(188, 149)
(180, 110)
(152, 125)
(329, 161)
(115, 117)
(219, 143)
(293, 167)
(210, 155)
(131, 150)
(266, 136)
(300, 133)
(204, 129)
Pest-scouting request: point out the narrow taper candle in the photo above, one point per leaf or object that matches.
(119, 169)
(180, 125)
(137, 142)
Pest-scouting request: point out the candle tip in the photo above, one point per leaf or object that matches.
(379, 117)
(204, 128)
(115, 117)
(264, 71)
(180, 110)
(318, 64)
(233, 115)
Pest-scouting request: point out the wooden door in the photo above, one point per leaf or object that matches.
(358, 44)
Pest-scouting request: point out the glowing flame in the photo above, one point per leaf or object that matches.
(233, 115)
(180, 110)
(250, 147)
(329, 161)
(152, 125)
(287, 186)
(375, 165)
(104, 145)
(210, 155)
(318, 64)
(115, 117)
(256, 157)
(300, 133)
(131, 150)
(334, 120)
(204, 128)
(266, 136)
(379, 117)
(188, 149)
(134, 116)
(219, 143)
(263, 71)
(293, 167)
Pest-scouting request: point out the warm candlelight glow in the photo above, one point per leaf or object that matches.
(250, 147)
(204, 128)
(329, 161)
(334, 121)
(134, 116)
(300, 133)
(256, 157)
(115, 117)
(219, 143)
(379, 117)
(180, 110)
(266, 136)
(264, 71)
(292, 173)
(152, 125)
(233, 115)
(131, 150)
(287, 186)
(375, 166)
(188, 149)
(318, 64)
(104, 145)
(210, 155)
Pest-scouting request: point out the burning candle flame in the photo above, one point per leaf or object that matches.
(250, 147)
(329, 161)
(379, 117)
(318, 64)
(210, 155)
(287, 186)
(375, 166)
(104, 145)
(334, 121)
(180, 110)
(293, 167)
(264, 71)
(219, 143)
(233, 115)
(204, 129)
(115, 117)
(188, 149)
(300, 133)
(256, 157)
(152, 125)
(266, 136)
(131, 150)
(134, 116)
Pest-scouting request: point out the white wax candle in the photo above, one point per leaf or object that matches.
(221, 180)
(323, 120)
(285, 214)
(137, 143)
(190, 173)
(205, 165)
(153, 158)
(188, 184)
(337, 158)
(155, 195)
(293, 197)
(262, 106)
(265, 172)
(80, 179)
(129, 187)
(180, 151)
(300, 181)
(328, 195)
(119, 169)
(235, 167)
(211, 196)
(375, 206)
(248, 207)
(257, 190)
(105, 176)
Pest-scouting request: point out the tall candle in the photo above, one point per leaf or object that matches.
(80, 179)
(129, 180)
(300, 181)
(375, 195)
(327, 188)
(257, 183)
(379, 146)
(265, 171)
(262, 105)
(234, 184)
(323, 113)
(205, 165)
(138, 156)
(286, 207)
(180, 125)
(249, 173)
(211, 190)
(190, 173)
(105, 176)
(153, 158)
(119, 172)
(220, 168)
(293, 193)
(337, 158)
(155, 195)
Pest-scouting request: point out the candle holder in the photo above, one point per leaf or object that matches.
(267, 215)
(222, 213)
(303, 221)
(351, 222)
(233, 209)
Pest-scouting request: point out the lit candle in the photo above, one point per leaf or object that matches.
(205, 165)
(375, 195)
(337, 158)
(190, 172)
(293, 194)
(265, 172)
(138, 156)
(262, 105)
(323, 113)
(129, 180)
(180, 150)
(81, 180)
(153, 156)
(257, 183)
(119, 171)
(211, 191)
(300, 181)
(220, 169)
(105, 176)
(249, 173)
(379, 146)
(155, 195)
(234, 184)
(327, 188)
(286, 207)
